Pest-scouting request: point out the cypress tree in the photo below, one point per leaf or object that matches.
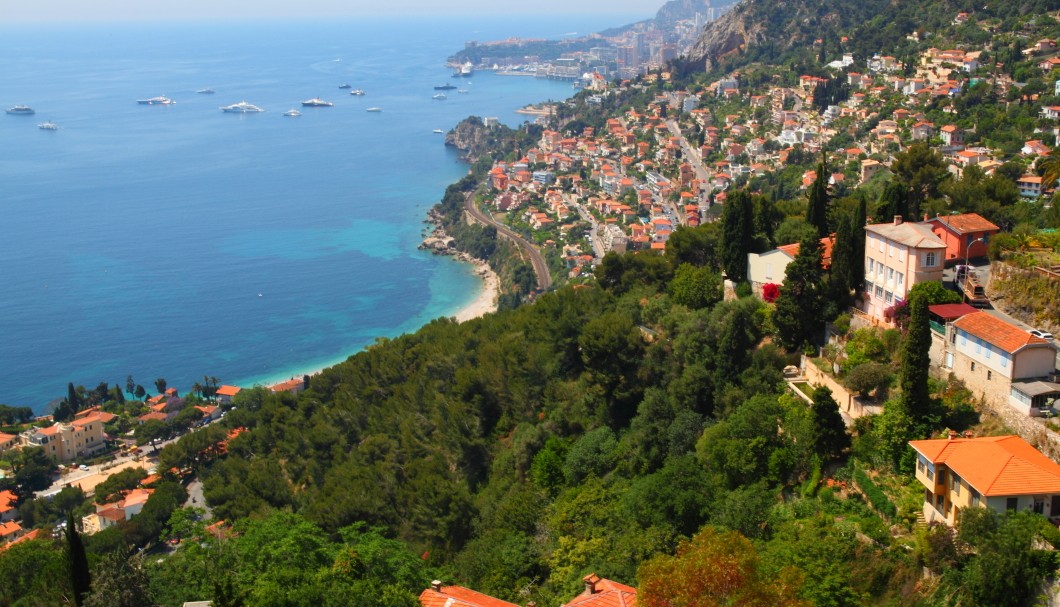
(737, 228)
(892, 202)
(916, 399)
(797, 316)
(817, 207)
(830, 435)
(843, 262)
(77, 562)
(857, 239)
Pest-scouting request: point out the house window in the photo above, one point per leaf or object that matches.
(901, 254)
(975, 497)
(890, 250)
(1004, 361)
(888, 297)
(964, 339)
(955, 484)
(901, 280)
(990, 375)
(1011, 503)
(978, 346)
(973, 365)
(868, 287)
(881, 245)
(890, 274)
(930, 259)
(879, 291)
(872, 265)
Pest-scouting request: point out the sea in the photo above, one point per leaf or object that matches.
(181, 242)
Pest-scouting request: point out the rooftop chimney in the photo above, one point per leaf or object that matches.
(436, 585)
(590, 583)
(897, 220)
(953, 434)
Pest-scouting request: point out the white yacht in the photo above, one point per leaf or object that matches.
(48, 126)
(316, 102)
(439, 96)
(374, 109)
(160, 100)
(293, 113)
(357, 92)
(24, 110)
(206, 91)
(439, 131)
(242, 108)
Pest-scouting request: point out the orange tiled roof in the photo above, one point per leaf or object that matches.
(228, 390)
(995, 465)
(6, 437)
(997, 332)
(967, 222)
(605, 593)
(32, 535)
(458, 596)
(7, 501)
(9, 528)
(791, 250)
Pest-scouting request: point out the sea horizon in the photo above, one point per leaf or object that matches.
(182, 242)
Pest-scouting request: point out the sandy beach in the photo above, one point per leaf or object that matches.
(486, 301)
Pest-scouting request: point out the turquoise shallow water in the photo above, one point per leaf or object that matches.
(181, 241)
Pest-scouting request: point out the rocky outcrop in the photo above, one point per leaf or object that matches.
(471, 137)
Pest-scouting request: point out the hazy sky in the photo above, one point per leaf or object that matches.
(108, 10)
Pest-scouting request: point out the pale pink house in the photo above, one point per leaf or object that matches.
(898, 255)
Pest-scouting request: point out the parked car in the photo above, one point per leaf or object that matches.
(1047, 336)
(83, 468)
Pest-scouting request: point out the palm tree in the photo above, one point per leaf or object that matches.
(1050, 169)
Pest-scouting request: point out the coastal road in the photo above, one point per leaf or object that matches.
(544, 277)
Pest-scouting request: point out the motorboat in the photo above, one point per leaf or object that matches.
(374, 109)
(439, 96)
(241, 108)
(462, 91)
(206, 91)
(293, 113)
(345, 86)
(357, 92)
(316, 102)
(439, 131)
(160, 100)
(23, 110)
(48, 126)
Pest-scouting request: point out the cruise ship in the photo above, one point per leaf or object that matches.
(242, 108)
(316, 102)
(25, 110)
(160, 100)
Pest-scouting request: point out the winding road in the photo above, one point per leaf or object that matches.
(544, 277)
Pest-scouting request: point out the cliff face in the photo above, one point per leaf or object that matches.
(729, 34)
(471, 137)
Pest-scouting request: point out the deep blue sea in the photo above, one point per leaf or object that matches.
(180, 241)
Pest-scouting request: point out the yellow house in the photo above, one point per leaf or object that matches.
(997, 472)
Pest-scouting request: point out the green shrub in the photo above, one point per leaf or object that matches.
(876, 496)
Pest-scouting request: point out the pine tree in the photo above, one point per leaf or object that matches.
(817, 207)
(737, 227)
(77, 562)
(797, 316)
(892, 202)
(916, 399)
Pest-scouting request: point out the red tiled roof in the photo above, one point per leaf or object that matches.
(791, 250)
(995, 465)
(997, 332)
(6, 437)
(951, 311)
(966, 222)
(32, 535)
(605, 593)
(458, 596)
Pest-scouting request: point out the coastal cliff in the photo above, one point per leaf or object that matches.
(472, 137)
